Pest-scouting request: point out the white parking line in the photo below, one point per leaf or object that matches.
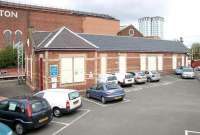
(95, 102)
(104, 105)
(193, 132)
(68, 124)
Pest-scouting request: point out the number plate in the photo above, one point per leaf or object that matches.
(44, 119)
(76, 102)
(118, 97)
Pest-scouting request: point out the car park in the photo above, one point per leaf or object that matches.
(5, 130)
(107, 78)
(67, 100)
(139, 77)
(179, 70)
(25, 112)
(125, 78)
(152, 76)
(188, 73)
(106, 92)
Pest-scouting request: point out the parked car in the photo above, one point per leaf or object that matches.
(188, 73)
(106, 92)
(152, 76)
(125, 78)
(107, 78)
(66, 100)
(139, 77)
(5, 130)
(179, 70)
(25, 112)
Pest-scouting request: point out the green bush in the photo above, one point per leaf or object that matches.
(8, 57)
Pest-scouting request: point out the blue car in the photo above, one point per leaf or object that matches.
(179, 70)
(5, 130)
(106, 92)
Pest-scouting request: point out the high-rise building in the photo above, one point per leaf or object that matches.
(151, 26)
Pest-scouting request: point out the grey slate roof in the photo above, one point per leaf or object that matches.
(59, 10)
(61, 39)
(134, 44)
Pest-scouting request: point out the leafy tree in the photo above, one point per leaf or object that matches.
(195, 50)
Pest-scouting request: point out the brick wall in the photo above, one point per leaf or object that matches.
(125, 32)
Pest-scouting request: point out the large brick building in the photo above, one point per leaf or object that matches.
(16, 19)
(80, 58)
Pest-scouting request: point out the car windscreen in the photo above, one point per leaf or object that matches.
(112, 78)
(112, 86)
(128, 76)
(188, 70)
(37, 105)
(141, 73)
(73, 95)
(154, 72)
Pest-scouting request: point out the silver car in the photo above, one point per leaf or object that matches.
(188, 73)
(152, 76)
(139, 77)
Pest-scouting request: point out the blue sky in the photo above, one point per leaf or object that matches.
(181, 16)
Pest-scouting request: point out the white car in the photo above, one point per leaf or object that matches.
(61, 100)
(188, 73)
(107, 78)
(125, 78)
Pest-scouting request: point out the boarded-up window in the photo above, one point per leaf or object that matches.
(174, 62)
(152, 63)
(66, 70)
(122, 64)
(183, 61)
(160, 63)
(79, 69)
(103, 65)
(142, 63)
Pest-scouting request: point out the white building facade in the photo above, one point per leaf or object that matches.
(152, 26)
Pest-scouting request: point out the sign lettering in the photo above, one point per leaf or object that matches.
(8, 14)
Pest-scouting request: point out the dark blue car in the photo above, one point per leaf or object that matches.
(106, 92)
(5, 130)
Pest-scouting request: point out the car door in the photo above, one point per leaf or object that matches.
(4, 112)
(99, 91)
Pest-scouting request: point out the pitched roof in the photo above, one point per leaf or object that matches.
(132, 44)
(60, 39)
(123, 28)
(57, 10)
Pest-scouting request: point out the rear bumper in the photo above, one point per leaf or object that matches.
(188, 76)
(155, 78)
(116, 97)
(32, 125)
(140, 80)
(64, 110)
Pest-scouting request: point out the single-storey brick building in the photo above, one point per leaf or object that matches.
(64, 59)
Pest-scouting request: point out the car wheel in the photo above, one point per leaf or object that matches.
(88, 95)
(57, 112)
(19, 128)
(103, 100)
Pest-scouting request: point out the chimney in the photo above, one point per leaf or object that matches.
(181, 40)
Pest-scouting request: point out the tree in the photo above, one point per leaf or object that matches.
(195, 50)
(8, 57)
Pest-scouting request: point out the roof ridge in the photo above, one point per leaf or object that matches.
(85, 40)
(52, 39)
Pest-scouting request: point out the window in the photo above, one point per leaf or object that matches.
(131, 32)
(7, 34)
(122, 64)
(40, 95)
(73, 95)
(183, 61)
(142, 63)
(18, 36)
(99, 87)
(72, 69)
(4, 105)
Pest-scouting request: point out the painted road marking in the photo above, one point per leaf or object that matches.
(193, 132)
(105, 105)
(68, 124)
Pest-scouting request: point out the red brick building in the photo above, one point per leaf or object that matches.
(129, 30)
(16, 19)
(78, 59)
